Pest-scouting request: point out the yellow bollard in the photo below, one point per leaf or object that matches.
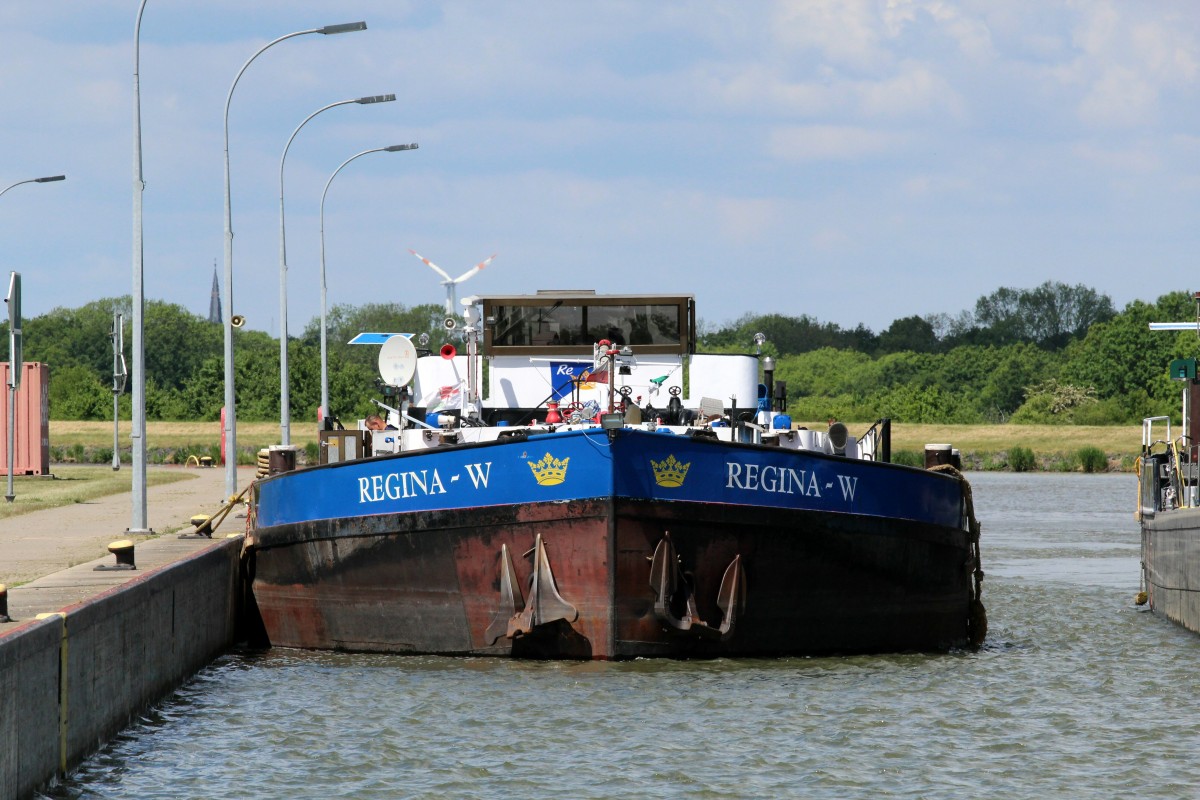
(123, 550)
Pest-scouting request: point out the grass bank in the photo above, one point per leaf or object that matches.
(74, 442)
(1053, 448)
(1049, 447)
(74, 484)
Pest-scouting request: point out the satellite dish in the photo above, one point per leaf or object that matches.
(397, 361)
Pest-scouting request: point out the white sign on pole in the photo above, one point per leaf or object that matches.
(16, 356)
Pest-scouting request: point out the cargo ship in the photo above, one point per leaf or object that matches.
(1169, 498)
(579, 482)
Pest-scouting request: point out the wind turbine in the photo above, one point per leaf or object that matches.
(451, 284)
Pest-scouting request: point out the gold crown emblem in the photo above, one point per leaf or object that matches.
(550, 471)
(669, 471)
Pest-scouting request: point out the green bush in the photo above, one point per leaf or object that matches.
(1060, 462)
(1092, 459)
(76, 392)
(1020, 459)
(1105, 412)
(991, 462)
(909, 458)
(928, 404)
(824, 407)
(1052, 402)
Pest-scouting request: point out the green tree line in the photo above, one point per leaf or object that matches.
(185, 364)
(1054, 354)
(1050, 354)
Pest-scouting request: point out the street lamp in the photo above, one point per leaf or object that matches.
(285, 412)
(37, 180)
(137, 433)
(230, 395)
(324, 351)
(14, 349)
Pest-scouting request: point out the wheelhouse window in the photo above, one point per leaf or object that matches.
(570, 323)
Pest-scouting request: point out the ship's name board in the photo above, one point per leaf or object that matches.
(418, 483)
(746, 477)
(784, 480)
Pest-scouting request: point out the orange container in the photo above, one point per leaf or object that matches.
(31, 450)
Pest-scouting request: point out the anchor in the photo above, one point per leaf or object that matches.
(510, 598)
(545, 604)
(668, 581)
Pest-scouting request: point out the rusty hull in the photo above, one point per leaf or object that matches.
(431, 582)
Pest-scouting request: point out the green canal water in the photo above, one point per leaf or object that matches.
(1076, 694)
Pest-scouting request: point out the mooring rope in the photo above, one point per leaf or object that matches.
(216, 519)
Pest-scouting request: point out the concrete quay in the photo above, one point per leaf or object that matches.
(110, 643)
(40, 543)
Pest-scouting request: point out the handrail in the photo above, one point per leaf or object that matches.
(879, 446)
(1148, 429)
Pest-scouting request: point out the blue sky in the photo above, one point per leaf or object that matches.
(854, 161)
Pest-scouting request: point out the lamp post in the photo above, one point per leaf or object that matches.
(285, 412)
(137, 433)
(14, 347)
(230, 432)
(324, 351)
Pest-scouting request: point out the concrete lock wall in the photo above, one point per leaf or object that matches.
(68, 683)
(29, 723)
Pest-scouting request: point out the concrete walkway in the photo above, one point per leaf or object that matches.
(58, 548)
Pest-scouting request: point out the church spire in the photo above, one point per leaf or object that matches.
(214, 304)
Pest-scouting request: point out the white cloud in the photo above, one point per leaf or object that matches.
(1119, 96)
(1098, 27)
(913, 89)
(746, 220)
(1169, 53)
(1127, 61)
(847, 33)
(804, 143)
(759, 89)
(831, 240)
(1135, 158)
(969, 34)
(926, 186)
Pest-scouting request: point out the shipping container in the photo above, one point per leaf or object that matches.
(31, 452)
